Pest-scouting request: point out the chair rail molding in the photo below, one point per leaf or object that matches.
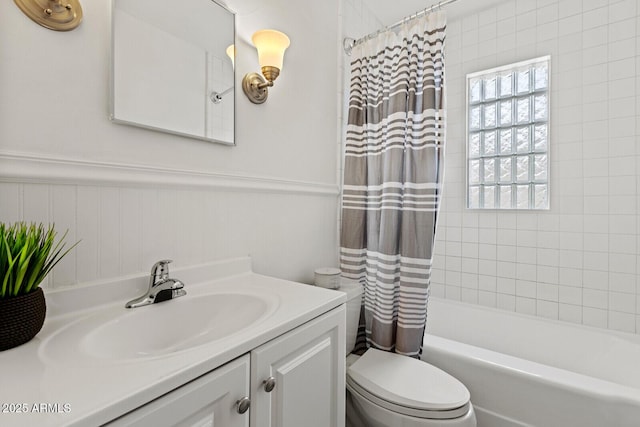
(35, 168)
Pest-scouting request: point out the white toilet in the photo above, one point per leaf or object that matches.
(389, 390)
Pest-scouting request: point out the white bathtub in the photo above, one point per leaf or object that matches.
(528, 371)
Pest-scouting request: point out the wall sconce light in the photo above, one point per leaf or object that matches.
(271, 45)
(55, 15)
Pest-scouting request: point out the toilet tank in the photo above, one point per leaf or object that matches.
(353, 290)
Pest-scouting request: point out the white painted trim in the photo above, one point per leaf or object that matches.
(34, 168)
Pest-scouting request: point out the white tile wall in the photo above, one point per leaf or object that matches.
(577, 262)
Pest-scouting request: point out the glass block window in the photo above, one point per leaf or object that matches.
(508, 136)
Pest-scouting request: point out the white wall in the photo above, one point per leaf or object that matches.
(134, 196)
(579, 261)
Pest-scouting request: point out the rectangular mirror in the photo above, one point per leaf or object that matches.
(172, 67)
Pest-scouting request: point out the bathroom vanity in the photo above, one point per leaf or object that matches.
(288, 381)
(240, 349)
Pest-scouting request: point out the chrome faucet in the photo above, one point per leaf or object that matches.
(161, 287)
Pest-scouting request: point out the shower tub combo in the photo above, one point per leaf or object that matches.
(528, 371)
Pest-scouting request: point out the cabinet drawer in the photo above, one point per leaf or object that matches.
(204, 402)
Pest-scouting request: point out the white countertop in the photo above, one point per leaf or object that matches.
(71, 387)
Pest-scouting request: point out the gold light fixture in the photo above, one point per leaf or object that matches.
(58, 15)
(271, 45)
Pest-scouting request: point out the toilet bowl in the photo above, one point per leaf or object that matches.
(389, 390)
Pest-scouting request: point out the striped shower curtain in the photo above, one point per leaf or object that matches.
(393, 180)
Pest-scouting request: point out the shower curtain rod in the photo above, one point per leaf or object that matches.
(349, 43)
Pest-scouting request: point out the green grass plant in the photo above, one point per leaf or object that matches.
(28, 252)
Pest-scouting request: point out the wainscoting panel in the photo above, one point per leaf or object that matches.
(123, 228)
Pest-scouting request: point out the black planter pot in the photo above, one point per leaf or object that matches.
(21, 318)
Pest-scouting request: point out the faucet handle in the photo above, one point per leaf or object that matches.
(161, 268)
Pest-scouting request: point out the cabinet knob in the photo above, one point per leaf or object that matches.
(243, 405)
(269, 384)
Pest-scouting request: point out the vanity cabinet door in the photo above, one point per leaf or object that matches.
(204, 402)
(298, 379)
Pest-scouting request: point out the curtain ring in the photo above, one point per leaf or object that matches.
(348, 43)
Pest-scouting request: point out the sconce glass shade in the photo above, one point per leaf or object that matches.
(231, 53)
(271, 45)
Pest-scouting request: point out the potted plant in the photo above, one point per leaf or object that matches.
(28, 252)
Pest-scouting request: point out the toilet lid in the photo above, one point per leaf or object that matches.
(407, 382)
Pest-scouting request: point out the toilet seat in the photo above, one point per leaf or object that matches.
(407, 386)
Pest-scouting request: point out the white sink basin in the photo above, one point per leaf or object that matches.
(160, 329)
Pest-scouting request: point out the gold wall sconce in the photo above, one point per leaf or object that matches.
(58, 15)
(271, 45)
